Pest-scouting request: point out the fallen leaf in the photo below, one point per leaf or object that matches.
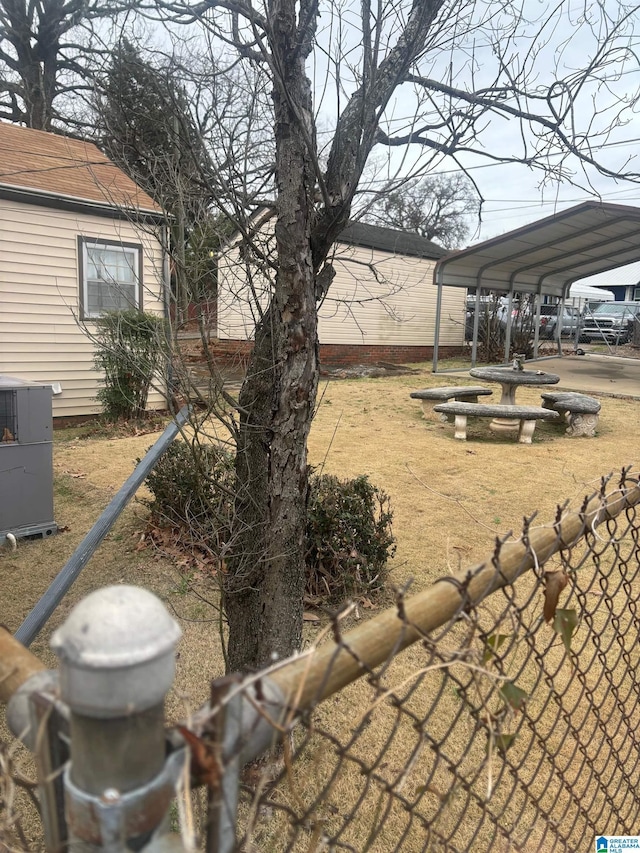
(554, 583)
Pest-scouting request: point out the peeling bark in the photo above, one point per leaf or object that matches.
(265, 585)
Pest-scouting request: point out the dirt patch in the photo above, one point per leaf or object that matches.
(368, 371)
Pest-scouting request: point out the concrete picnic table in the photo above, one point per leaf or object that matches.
(510, 378)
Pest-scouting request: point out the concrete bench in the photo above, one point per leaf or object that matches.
(526, 415)
(580, 411)
(461, 393)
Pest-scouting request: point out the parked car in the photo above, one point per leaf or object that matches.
(611, 322)
(493, 318)
(549, 320)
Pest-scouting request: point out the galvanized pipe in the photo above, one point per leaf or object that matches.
(122, 753)
(41, 613)
(117, 662)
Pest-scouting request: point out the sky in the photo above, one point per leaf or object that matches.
(514, 197)
(553, 42)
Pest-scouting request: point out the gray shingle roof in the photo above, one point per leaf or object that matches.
(390, 240)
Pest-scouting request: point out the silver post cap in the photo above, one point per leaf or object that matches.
(116, 652)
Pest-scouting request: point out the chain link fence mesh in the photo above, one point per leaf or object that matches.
(498, 710)
(515, 726)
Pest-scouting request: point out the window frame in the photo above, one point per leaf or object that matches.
(98, 242)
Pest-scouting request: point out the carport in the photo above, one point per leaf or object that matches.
(541, 259)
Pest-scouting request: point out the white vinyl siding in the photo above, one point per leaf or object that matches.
(42, 337)
(380, 299)
(376, 299)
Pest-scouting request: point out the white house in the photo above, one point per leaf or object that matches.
(380, 306)
(77, 237)
(623, 282)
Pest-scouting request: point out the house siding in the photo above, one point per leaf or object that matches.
(378, 300)
(380, 306)
(40, 338)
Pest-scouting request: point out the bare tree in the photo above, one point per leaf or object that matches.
(442, 77)
(438, 207)
(46, 53)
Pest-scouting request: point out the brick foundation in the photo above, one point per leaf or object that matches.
(233, 353)
(346, 355)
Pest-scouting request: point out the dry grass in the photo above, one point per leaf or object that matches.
(450, 499)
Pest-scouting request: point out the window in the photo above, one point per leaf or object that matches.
(110, 276)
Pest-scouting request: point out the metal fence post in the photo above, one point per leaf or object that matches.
(223, 801)
(116, 652)
(61, 584)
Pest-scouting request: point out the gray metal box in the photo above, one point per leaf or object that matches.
(26, 459)
(26, 486)
(26, 413)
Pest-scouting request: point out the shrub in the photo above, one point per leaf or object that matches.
(349, 538)
(191, 486)
(130, 350)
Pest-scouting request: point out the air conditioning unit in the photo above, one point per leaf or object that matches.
(26, 459)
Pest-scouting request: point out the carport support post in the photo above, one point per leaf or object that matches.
(559, 322)
(536, 331)
(507, 337)
(436, 331)
(476, 327)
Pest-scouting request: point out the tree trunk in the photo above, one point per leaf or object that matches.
(265, 584)
(264, 587)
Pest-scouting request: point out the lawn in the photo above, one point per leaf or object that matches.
(450, 499)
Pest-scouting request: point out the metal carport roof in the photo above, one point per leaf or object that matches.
(547, 256)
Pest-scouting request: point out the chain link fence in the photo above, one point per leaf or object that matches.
(498, 710)
(513, 726)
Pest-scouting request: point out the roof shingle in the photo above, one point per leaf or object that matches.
(390, 240)
(58, 165)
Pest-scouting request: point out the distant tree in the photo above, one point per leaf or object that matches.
(44, 55)
(439, 207)
(143, 123)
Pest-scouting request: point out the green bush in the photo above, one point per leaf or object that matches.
(130, 351)
(191, 487)
(349, 538)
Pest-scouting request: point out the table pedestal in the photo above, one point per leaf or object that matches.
(502, 425)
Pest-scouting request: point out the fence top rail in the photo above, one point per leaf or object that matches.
(322, 670)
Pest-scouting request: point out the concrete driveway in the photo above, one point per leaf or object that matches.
(597, 374)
